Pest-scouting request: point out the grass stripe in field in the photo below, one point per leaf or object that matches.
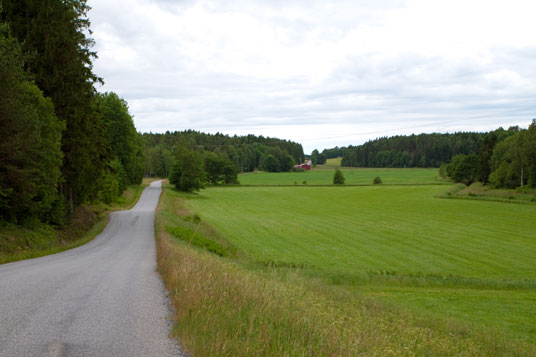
(384, 228)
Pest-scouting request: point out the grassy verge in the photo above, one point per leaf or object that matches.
(229, 306)
(19, 243)
(484, 193)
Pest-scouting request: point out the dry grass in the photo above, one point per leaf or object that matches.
(225, 309)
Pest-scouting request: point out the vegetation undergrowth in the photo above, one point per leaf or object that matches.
(477, 191)
(39, 239)
(227, 306)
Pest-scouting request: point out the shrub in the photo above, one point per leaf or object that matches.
(377, 180)
(338, 177)
(443, 171)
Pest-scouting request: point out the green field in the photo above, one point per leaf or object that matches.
(473, 261)
(323, 175)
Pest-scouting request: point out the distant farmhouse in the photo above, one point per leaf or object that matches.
(305, 166)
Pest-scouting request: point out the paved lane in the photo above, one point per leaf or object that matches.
(101, 299)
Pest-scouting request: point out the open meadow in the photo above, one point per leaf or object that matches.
(457, 267)
(323, 176)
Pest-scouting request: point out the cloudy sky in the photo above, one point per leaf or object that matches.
(322, 73)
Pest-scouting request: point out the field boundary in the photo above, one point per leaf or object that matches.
(453, 193)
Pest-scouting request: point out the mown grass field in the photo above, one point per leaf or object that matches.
(323, 175)
(282, 295)
(463, 268)
(467, 260)
(392, 228)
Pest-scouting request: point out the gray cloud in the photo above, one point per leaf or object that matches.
(318, 72)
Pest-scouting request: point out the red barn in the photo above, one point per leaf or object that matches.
(306, 165)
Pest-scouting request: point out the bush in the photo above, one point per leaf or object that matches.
(443, 171)
(377, 180)
(338, 177)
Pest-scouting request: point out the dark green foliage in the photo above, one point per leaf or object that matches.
(331, 154)
(188, 172)
(30, 134)
(424, 150)
(377, 180)
(247, 153)
(69, 149)
(112, 182)
(288, 163)
(464, 168)
(443, 170)
(318, 158)
(505, 158)
(490, 140)
(513, 162)
(338, 177)
(230, 174)
(124, 142)
(220, 169)
(58, 55)
(157, 160)
(270, 163)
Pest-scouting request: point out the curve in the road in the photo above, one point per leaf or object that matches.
(102, 299)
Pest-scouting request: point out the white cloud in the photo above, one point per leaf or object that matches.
(323, 73)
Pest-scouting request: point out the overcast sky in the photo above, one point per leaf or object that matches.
(322, 73)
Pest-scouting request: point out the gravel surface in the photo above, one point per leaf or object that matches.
(102, 299)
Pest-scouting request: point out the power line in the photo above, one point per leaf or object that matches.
(419, 126)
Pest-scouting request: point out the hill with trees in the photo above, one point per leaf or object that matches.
(220, 153)
(423, 150)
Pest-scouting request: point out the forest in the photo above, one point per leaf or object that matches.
(503, 158)
(63, 143)
(245, 153)
(423, 150)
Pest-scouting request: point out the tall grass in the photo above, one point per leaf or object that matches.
(224, 308)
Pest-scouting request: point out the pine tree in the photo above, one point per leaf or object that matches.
(59, 56)
(30, 134)
(338, 177)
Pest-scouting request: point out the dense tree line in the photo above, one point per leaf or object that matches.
(62, 143)
(506, 159)
(219, 153)
(424, 150)
(320, 158)
(502, 158)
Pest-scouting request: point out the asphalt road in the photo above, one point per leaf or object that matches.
(101, 299)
